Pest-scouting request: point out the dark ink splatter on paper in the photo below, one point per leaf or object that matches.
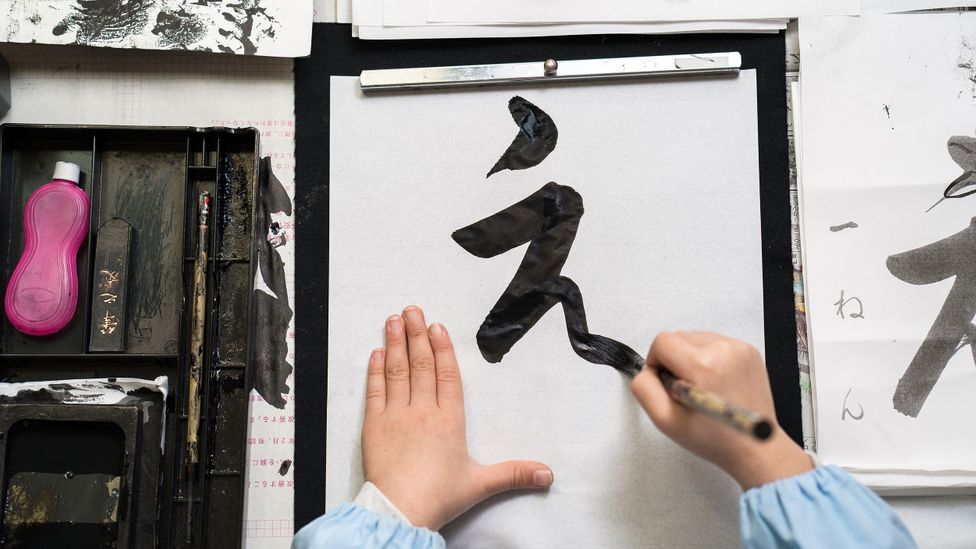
(101, 21)
(285, 466)
(887, 110)
(842, 226)
(179, 29)
(548, 219)
(966, 63)
(273, 313)
(953, 256)
(250, 23)
(536, 138)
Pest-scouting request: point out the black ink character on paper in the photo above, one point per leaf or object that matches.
(842, 226)
(548, 220)
(535, 140)
(953, 256)
(847, 411)
(962, 150)
(842, 302)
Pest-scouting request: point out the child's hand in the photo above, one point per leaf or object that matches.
(734, 370)
(414, 445)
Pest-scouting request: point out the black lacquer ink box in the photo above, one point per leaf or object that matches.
(93, 419)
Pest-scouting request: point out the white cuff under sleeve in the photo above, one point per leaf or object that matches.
(373, 499)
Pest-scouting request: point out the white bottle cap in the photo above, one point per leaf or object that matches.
(67, 171)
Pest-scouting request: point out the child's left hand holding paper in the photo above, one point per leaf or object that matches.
(414, 445)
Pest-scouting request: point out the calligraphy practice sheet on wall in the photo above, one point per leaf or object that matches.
(888, 129)
(654, 184)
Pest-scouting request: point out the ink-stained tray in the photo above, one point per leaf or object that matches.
(150, 178)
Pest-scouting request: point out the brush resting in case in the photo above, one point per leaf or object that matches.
(43, 291)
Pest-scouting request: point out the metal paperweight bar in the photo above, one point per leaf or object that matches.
(550, 70)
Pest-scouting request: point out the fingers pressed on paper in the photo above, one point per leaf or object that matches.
(397, 365)
(422, 383)
(376, 383)
(449, 392)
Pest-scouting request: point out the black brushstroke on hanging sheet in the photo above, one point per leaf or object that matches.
(105, 21)
(962, 150)
(270, 354)
(535, 140)
(953, 328)
(548, 219)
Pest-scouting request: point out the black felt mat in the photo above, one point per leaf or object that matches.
(335, 52)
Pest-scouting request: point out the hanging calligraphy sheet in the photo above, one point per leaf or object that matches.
(617, 211)
(888, 159)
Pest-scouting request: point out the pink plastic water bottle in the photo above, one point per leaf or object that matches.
(43, 291)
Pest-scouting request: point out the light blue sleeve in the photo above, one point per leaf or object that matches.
(353, 526)
(824, 508)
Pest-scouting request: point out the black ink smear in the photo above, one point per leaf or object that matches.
(535, 140)
(97, 21)
(841, 227)
(962, 150)
(285, 465)
(179, 29)
(887, 110)
(954, 255)
(548, 219)
(250, 23)
(273, 314)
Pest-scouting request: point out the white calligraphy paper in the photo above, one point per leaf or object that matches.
(670, 239)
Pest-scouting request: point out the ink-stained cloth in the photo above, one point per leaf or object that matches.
(824, 508)
(371, 520)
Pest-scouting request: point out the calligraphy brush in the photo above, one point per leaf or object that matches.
(710, 404)
(196, 357)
